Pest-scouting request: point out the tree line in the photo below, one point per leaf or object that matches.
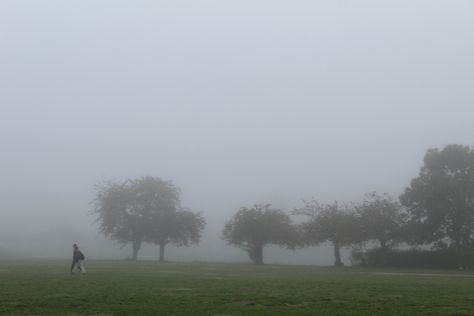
(434, 213)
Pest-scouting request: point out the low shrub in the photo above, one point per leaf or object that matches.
(413, 258)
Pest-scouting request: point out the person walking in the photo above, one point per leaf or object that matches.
(77, 260)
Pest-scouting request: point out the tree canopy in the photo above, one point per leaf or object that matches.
(381, 219)
(329, 222)
(440, 201)
(254, 228)
(146, 210)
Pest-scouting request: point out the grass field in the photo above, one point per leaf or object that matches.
(149, 288)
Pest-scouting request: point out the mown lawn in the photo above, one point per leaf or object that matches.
(149, 288)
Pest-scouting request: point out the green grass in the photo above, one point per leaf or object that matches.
(149, 288)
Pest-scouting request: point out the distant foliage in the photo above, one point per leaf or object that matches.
(146, 210)
(435, 213)
(254, 228)
(381, 219)
(329, 223)
(440, 201)
(413, 258)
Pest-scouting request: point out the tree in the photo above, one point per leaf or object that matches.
(381, 219)
(254, 228)
(331, 223)
(182, 228)
(440, 201)
(117, 216)
(146, 210)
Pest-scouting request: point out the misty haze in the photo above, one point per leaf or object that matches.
(291, 109)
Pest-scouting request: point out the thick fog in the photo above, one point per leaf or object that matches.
(236, 102)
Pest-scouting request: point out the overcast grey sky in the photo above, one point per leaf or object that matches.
(237, 102)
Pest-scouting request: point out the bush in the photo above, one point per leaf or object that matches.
(422, 259)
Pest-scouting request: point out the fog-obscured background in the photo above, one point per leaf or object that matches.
(236, 102)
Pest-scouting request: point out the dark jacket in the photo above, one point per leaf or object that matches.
(77, 255)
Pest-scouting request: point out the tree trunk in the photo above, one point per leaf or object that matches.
(337, 255)
(136, 247)
(383, 246)
(162, 251)
(256, 254)
(459, 253)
